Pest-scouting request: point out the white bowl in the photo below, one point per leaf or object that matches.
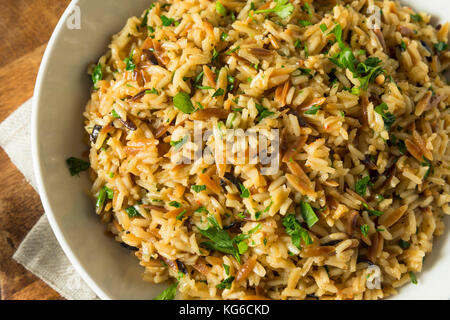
(62, 90)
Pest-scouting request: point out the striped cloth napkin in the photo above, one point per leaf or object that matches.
(39, 252)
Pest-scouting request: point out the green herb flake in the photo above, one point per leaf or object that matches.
(323, 27)
(152, 91)
(307, 8)
(182, 101)
(198, 188)
(219, 239)
(132, 212)
(103, 194)
(295, 230)
(308, 214)
(403, 46)
(226, 268)
(404, 244)
(232, 50)
(304, 23)
(413, 278)
(365, 230)
(175, 204)
(225, 284)
(388, 117)
(220, 9)
(283, 9)
(169, 293)
(181, 215)
(372, 212)
(245, 193)
(313, 110)
(223, 36)
(416, 17)
(129, 64)
(427, 163)
(263, 112)
(441, 46)
(297, 43)
(178, 144)
(219, 92)
(361, 186)
(167, 21)
(242, 247)
(77, 165)
(97, 74)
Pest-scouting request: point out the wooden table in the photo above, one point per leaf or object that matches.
(25, 28)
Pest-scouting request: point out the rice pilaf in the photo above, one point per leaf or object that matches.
(362, 111)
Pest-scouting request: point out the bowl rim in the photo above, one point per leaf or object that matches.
(37, 165)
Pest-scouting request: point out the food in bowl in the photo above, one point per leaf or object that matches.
(356, 93)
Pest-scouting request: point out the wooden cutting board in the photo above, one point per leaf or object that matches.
(25, 28)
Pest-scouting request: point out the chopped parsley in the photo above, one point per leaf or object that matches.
(152, 91)
(175, 204)
(132, 212)
(104, 193)
(219, 92)
(223, 36)
(198, 188)
(167, 21)
(416, 17)
(413, 278)
(242, 247)
(226, 268)
(169, 293)
(259, 213)
(313, 110)
(181, 215)
(297, 43)
(263, 112)
(388, 117)
(323, 27)
(178, 144)
(245, 193)
(365, 72)
(427, 163)
(225, 284)
(403, 46)
(441, 46)
(115, 114)
(308, 214)
(307, 9)
(130, 66)
(97, 74)
(77, 165)
(219, 239)
(233, 50)
(182, 101)
(361, 185)
(295, 230)
(365, 230)
(220, 9)
(404, 244)
(372, 212)
(283, 9)
(304, 23)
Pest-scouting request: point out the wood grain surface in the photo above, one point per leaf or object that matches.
(25, 28)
